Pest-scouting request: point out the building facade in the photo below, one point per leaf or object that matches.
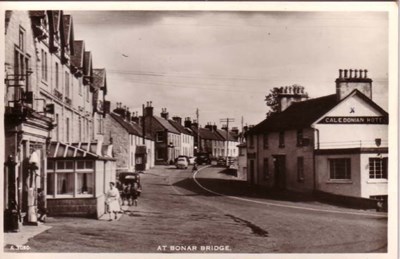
(49, 78)
(336, 144)
(131, 150)
(187, 142)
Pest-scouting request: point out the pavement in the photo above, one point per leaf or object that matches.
(15, 240)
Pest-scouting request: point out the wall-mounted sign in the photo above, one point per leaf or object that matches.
(354, 120)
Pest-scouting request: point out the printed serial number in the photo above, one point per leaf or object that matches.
(20, 248)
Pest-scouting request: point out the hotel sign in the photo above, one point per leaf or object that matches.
(354, 120)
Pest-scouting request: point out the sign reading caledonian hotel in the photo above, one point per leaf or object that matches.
(354, 120)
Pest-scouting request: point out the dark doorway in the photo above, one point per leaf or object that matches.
(251, 171)
(280, 172)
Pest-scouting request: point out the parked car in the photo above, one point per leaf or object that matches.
(186, 157)
(203, 158)
(221, 161)
(181, 163)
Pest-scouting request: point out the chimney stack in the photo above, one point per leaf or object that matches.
(290, 94)
(188, 122)
(164, 113)
(347, 84)
(177, 119)
(148, 110)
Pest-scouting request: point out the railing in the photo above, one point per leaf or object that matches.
(68, 101)
(57, 94)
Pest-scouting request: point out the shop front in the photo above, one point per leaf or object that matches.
(77, 179)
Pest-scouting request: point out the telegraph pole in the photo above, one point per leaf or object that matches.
(198, 130)
(227, 120)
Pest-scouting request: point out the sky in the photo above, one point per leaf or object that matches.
(225, 63)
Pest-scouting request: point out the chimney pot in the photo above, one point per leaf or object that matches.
(351, 73)
(365, 73)
(345, 73)
(355, 73)
(340, 73)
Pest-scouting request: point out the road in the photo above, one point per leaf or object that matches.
(177, 213)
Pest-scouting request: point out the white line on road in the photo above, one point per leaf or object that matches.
(284, 205)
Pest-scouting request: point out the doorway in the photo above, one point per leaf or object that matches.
(279, 172)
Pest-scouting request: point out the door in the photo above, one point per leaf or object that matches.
(280, 172)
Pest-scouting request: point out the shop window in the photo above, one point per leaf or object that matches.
(281, 139)
(85, 183)
(65, 183)
(300, 169)
(378, 168)
(82, 165)
(266, 169)
(340, 168)
(266, 142)
(50, 184)
(50, 165)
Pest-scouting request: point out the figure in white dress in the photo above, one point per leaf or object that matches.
(112, 201)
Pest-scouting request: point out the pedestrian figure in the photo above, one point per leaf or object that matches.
(42, 211)
(126, 194)
(136, 189)
(194, 169)
(112, 201)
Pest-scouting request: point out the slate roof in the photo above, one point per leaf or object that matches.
(180, 127)
(298, 115)
(222, 133)
(79, 50)
(166, 124)
(128, 126)
(208, 134)
(68, 31)
(87, 62)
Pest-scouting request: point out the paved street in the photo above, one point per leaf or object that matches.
(175, 214)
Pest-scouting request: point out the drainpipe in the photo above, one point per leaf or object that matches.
(316, 133)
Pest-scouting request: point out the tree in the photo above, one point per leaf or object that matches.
(272, 101)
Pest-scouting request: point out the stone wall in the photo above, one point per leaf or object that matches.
(86, 207)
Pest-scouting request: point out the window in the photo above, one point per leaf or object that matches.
(65, 183)
(160, 136)
(300, 169)
(282, 139)
(99, 124)
(57, 76)
(80, 86)
(378, 168)
(87, 93)
(300, 138)
(266, 169)
(66, 82)
(80, 129)
(160, 153)
(58, 127)
(21, 39)
(251, 140)
(266, 140)
(340, 168)
(67, 130)
(85, 183)
(44, 65)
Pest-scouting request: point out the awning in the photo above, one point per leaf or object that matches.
(78, 150)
